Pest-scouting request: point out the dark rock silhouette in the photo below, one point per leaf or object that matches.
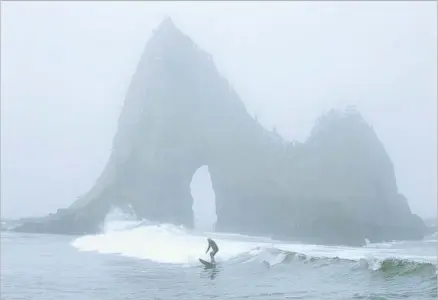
(338, 187)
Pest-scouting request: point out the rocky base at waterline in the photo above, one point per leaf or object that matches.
(179, 114)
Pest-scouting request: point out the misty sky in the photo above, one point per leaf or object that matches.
(66, 66)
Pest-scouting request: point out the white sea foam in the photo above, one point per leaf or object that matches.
(171, 244)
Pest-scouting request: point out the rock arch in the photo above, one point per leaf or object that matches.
(180, 114)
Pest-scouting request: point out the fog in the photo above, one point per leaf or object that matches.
(66, 66)
(204, 206)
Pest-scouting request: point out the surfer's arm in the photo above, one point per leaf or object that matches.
(208, 248)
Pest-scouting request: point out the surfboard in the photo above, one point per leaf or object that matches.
(207, 264)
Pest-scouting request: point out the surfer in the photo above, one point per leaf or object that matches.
(212, 244)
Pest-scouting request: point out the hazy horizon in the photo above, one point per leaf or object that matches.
(66, 66)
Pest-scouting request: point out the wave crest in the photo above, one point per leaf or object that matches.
(164, 243)
(389, 266)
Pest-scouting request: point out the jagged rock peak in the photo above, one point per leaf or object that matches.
(168, 33)
(166, 26)
(170, 43)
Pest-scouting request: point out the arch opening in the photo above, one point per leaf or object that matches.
(204, 200)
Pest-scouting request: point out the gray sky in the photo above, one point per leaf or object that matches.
(66, 66)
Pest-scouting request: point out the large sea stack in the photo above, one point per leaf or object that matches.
(179, 114)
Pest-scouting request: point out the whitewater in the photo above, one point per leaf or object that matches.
(169, 244)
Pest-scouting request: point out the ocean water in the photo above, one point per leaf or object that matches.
(134, 260)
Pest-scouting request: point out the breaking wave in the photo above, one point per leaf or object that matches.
(169, 244)
(389, 266)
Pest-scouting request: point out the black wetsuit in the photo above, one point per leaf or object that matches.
(214, 247)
